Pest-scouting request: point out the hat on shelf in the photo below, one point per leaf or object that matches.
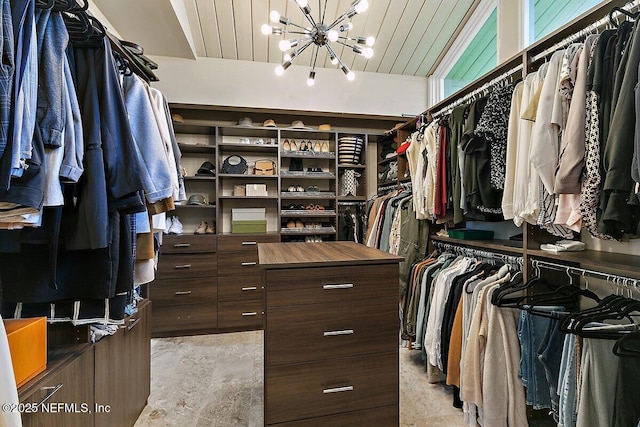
(197, 199)
(269, 124)
(324, 127)
(245, 122)
(177, 118)
(207, 168)
(298, 124)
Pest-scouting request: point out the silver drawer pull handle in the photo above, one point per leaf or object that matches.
(250, 288)
(249, 243)
(53, 391)
(133, 323)
(338, 389)
(183, 292)
(250, 313)
(336, 333)
(182, 245)
(182, 266)
(248, 264)
(340, 286)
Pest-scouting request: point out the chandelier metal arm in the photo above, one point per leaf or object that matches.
(338, 20)
(306, 12)
(308, 30)
(332, 52)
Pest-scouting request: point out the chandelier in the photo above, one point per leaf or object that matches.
(319, 35)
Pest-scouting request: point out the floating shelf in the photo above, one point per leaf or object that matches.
(307, 213)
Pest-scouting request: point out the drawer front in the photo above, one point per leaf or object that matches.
(387, 416)
(72, 385)
(303, 333)
(188, 244)
(248, 242)
(185, 304)
(234, 264)
(183, 266)
(183, 317)
(188, 291)
(306, 390)
(331, 284)
(241, 287)
(241, 314)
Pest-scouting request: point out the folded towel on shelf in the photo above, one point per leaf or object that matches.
(564, 246)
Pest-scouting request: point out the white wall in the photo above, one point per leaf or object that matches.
(214, 81)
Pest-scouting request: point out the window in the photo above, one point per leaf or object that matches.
(546, 16)
(479, 57)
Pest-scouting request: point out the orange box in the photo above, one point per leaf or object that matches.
(28, 347)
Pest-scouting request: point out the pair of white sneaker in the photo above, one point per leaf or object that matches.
(313, 239)
(173, 226)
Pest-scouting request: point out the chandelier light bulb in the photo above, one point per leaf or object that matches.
(347, 27)
(312, 79)
(287, 57)
(367, 52)
(334, 60)
(266, 29)
(274, 16)
(332, 35)
(279, 70)
(361, 6)
(302, 3)
(350, 76)
(284, 45)
(370, 41)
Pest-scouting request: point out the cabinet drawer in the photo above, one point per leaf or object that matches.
(331, 284)
(241, 287)
(234, 264)
(302, 333)
(188, 244)
(73, 385)
(295, 392)
(202, 290)
(183, 266)
(387, 416)
(246, 242)
(183, 317)
(241, 314)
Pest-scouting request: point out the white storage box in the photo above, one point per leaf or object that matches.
(256, 190)
(248, 214)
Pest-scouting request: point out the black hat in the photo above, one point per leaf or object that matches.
(207, 168)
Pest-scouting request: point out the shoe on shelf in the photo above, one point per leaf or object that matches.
(211, 228)
(325, 147)
(176, 226)
(318, 239)
(299, 224)
(313, 189)
(202, 228)
(299, 188)
(291, 223)
(292, 189)
(308, 239)
(317, 148)
(294, 146)
(303, 146)
(286, 146)
(168, 224)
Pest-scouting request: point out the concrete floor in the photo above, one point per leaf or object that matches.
(216, 380)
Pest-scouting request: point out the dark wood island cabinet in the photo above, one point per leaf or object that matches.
(331, 334)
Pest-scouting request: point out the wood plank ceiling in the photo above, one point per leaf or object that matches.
(410, 34)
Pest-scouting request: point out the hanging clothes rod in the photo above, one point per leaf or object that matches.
(360, 203)
(628, 282)
(479, 253)
(501, 78)
(590, 29)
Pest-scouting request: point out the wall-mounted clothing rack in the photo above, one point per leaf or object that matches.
(621, 281)
(512, 260)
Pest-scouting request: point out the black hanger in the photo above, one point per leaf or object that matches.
(620, 308)
(44, 4)
(628, 345)
(633, 16)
